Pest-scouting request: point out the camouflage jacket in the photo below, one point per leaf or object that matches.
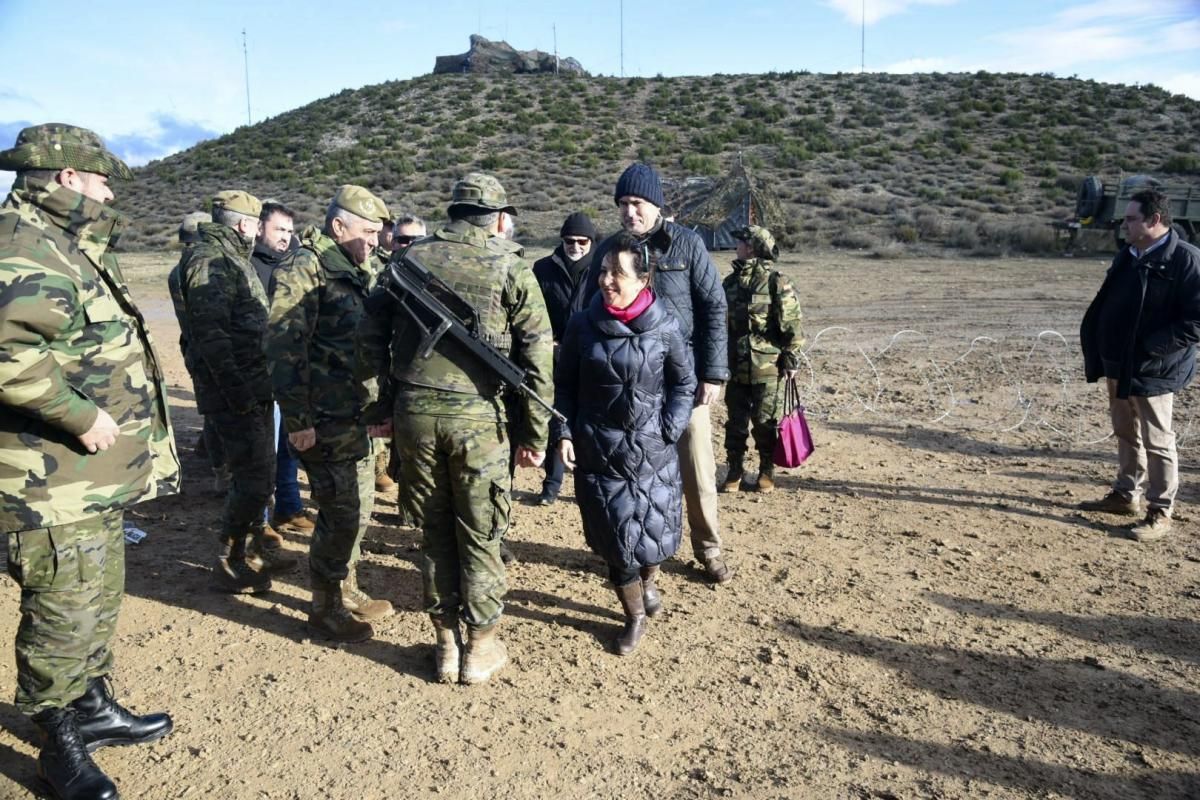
(491, 274)
(223, 321)
(764, 322)
(72, 341)
(317, 304)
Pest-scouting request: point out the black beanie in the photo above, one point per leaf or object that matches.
(578, 224)
(640, 180)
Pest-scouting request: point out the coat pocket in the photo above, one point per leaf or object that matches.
(501, 508)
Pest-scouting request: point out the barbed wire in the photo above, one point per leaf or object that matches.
(1033, 385)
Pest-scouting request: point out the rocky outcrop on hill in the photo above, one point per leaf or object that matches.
(486, 56)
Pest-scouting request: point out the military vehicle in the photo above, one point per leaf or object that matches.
(1101, 206)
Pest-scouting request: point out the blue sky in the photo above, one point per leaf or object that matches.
(155, 77)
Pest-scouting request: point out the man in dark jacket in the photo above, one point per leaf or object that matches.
(686, 280)
(561, 276)
(1140, 334)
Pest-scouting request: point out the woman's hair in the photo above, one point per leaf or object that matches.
(625, 242)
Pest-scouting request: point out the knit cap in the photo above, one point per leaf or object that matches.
(578, 224)
(640, 180)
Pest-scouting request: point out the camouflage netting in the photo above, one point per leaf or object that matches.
(715, 209)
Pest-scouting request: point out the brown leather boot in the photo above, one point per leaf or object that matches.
(651, 599)
(634, 606)
(447, 656)
(299, 522)
(484, 657)
(233, 574)
(361, 604)
(329, 618)
(733, 478)
(766, 477)
(266, 553)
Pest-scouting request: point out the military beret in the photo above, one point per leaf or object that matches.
(237, 201)
(760, 240)
(361, 203)
(58, 146)
(483, 191)
(189, 229)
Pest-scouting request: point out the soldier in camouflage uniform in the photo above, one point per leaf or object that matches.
(317, 302)
(449, 424)
(764, 348)
(84, 433)
(222, 311)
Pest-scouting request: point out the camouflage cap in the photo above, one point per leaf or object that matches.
(360, 202)
(58, 146)
(481, 190)
(189, 229)
(760, 240)
(237, 201)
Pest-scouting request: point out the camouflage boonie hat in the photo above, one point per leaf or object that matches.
(760, 240)
(483, 191)
(361, 203)
(58, 146)
(237, 201)
(189, 229)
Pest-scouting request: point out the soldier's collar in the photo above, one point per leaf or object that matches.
(332, 256)
(227, 236)
(76, 214)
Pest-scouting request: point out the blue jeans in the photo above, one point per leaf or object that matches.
(287, 486)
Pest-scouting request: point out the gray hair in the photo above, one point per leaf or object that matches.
(223, 216)
(408, 218)
(337, 212)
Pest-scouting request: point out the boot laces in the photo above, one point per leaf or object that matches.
(70, 743)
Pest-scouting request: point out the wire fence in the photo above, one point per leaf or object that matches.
(999, 385)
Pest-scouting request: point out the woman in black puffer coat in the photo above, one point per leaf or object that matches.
(625, 383)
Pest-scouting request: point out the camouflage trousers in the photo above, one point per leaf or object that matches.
(72, 578)
(454, 476)
(344, 493)
(753, 408)
(248, 441)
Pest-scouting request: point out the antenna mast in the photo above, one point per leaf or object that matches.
(863, 64)
(246, 61)
(555, 29)
(622, 38)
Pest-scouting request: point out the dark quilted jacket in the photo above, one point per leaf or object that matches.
(626, 391)
(686, 281)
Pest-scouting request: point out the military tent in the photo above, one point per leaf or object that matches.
(716, 208)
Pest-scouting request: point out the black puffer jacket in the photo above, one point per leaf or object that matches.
(1144, 324)
(626, 391)
(686, 280)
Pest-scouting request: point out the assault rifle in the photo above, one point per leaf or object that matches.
(438, 310)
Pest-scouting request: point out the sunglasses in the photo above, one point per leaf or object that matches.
(404, 240)
(576, 242)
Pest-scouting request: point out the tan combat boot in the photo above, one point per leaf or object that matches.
(485, 655)
(634, 606)
(766, 477)
(329, 618)
(448, 654)
(266, 553)
(733, 478)
(233, 574)
(651, 599)
(299, 522)
(360, 604)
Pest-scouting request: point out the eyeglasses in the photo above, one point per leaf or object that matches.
(404, 241)
(577, 242)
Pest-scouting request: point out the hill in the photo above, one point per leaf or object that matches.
(880, 162)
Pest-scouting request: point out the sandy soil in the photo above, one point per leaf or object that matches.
(919, 612)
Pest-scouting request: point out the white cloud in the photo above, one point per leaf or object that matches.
(875, 10)
(1138, 11)
(1185, 83)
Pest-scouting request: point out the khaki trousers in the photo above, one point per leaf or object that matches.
(699, 470)
(1145, 447)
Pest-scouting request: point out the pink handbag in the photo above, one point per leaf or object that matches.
(793, 440)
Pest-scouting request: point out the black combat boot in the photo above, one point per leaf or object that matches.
(103, 722)
(64, 764)
(233, 574)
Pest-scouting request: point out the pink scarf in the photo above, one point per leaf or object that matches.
(634, 310)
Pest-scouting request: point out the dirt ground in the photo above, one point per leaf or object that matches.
(918, 612)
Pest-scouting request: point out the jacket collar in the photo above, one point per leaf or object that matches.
(226, 237)
(94, 224)
(659, 236)
(331, 255)
(651, 318)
